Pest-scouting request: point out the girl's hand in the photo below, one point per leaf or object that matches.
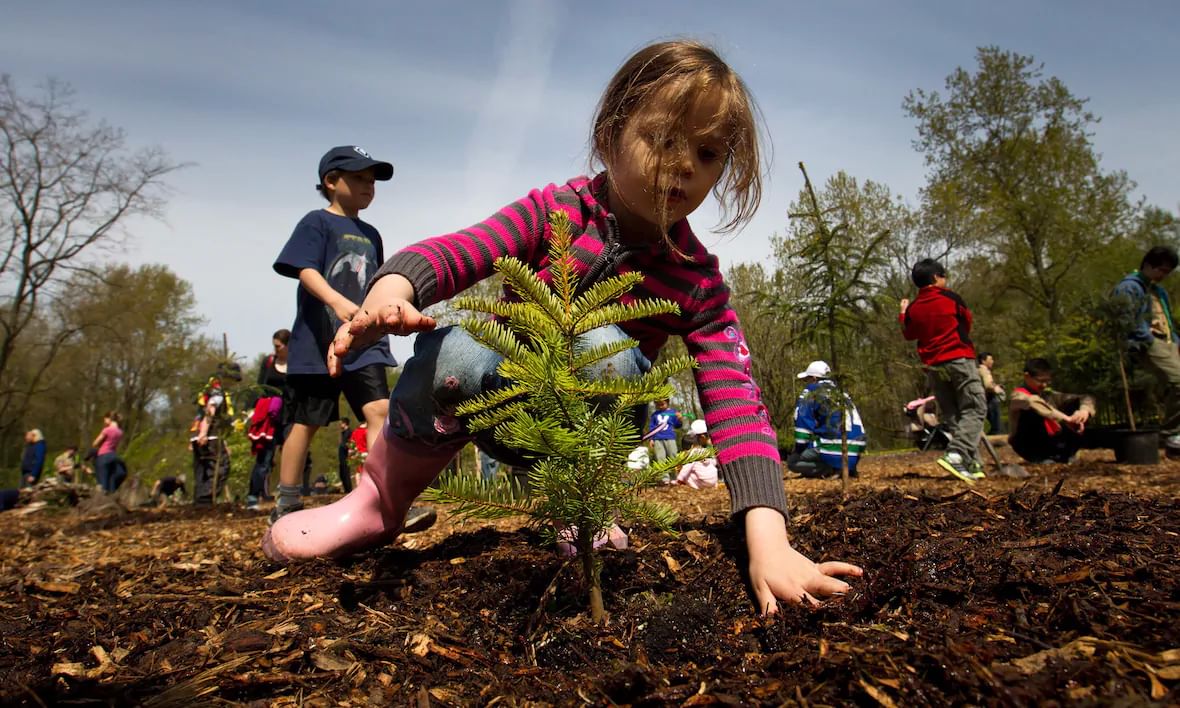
(779, 572)
(386, 310)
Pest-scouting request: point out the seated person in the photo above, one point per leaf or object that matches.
(66, 463)
(701, 473)
(1046, 426)
(165, 489)
(818, 448)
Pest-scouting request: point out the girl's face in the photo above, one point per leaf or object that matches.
(692, 163)
(280, 348)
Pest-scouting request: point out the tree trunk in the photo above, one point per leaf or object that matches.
(590, 571)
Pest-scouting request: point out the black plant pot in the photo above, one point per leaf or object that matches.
(1136, 447)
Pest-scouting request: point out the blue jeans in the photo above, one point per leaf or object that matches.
(449, 367)
(262, 464)
(104, 469)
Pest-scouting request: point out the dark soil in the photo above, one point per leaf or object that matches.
(1059, 589)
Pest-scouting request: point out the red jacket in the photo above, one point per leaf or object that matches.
(941, 322)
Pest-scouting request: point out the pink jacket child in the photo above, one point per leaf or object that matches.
(702, 473)
(675, 125)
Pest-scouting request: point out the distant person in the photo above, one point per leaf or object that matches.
(820, 427)
(1150, 332)
(661, 430)
(992, 391)
(359, 441)
(1047, 425)
(269, 424)
(701, 473)
(488, 466)
(106, 464)
(66, 464)
(941, 323)
(272, 375)
(32, 461)
(214, 423)
(166, 490)
(9, 499)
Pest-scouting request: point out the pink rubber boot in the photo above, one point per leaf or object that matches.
(568, 535)
(371, 515)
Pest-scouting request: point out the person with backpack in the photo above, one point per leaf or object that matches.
(211, 458)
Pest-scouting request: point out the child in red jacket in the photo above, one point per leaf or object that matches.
(941, 322)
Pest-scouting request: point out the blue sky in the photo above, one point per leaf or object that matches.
(476, 103)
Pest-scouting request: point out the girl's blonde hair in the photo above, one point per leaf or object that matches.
(679, 72)
(36, 435)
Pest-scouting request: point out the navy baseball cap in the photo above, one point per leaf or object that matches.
(350, 158)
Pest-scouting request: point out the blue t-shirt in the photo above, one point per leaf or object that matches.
(668, 420)
(347, 252)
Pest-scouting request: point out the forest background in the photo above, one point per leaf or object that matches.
(1033, 228)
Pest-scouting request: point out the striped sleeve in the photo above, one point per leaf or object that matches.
(738, 421)
(444, 266)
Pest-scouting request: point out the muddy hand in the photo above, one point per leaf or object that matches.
(369, 325)
(779, 572)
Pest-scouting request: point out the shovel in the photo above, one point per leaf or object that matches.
(1003, 470)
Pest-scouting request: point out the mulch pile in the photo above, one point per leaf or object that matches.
(1057, 589)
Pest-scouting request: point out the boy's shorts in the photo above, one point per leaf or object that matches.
(316, 397)
(450, 367)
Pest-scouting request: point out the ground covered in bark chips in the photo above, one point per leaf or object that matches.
(1060, 588)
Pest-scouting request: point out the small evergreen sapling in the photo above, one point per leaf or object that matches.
(579, 429)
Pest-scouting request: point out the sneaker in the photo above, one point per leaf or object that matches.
(953, 462)
(280, 511)
(976, 470)
(252, 503)
(419, 518)
(1172, 442)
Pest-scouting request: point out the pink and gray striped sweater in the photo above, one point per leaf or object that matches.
(444, 266)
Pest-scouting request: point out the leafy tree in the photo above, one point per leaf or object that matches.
(837, 264)
(135, 347)
(1014, 175)
(579, 431)
(67, 185)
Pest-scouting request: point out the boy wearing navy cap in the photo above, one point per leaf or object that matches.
(333, 254)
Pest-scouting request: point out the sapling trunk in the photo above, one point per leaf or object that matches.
(591, 571)
(1126, 392)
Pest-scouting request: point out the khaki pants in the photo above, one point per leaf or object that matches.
(961, 404)
(1163, 359)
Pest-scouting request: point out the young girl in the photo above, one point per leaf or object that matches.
(675, 124)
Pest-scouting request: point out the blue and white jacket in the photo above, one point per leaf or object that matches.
(817, 424)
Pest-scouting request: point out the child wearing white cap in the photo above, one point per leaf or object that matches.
(818, 444)
(700, 473)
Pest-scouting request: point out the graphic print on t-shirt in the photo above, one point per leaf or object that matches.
(349, 271)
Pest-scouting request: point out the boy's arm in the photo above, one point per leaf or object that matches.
(314, 283)
(903, 318)
(1023, 401)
